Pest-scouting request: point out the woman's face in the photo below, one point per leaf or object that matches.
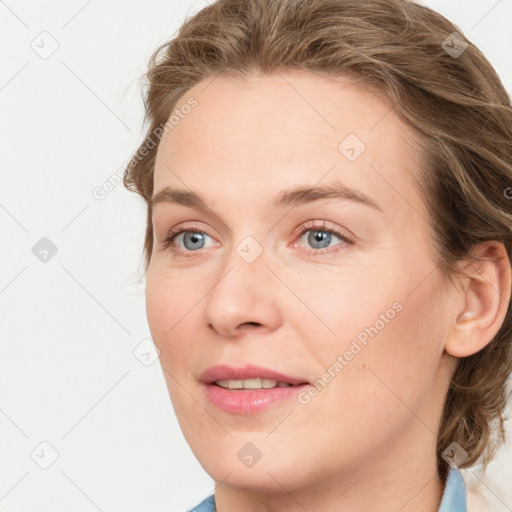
(338, 289)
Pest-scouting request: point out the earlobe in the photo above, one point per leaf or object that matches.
(486, 293)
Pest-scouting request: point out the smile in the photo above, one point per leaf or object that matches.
(256, 383)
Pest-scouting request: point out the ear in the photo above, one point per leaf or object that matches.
(486, 290)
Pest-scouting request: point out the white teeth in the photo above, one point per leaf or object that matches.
(252, 384)
(235, 384)
(256, 383)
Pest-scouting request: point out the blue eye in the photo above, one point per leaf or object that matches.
(195, 238)
(318, 239)
(192, 240)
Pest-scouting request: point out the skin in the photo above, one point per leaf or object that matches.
(367, 440)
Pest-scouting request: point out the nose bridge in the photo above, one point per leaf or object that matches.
(245, 264)
(243, 292)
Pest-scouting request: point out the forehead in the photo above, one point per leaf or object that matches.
(267, 132)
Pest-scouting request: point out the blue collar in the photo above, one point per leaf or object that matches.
(207, 505)
(454, 496)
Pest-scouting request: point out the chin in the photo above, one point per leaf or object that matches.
(250, 480)
(268, 475)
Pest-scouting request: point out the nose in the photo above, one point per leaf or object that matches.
(243, 298)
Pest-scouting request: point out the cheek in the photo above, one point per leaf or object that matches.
(395, 371)
(167, 303)
(387, 338)
(169, 307)
(343, 304)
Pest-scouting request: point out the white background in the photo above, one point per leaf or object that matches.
(68, 374)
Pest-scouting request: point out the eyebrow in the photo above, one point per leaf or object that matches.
(302, 194)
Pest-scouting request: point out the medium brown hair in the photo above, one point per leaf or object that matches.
(456, 104)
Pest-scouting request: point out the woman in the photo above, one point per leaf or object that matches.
(327, 252)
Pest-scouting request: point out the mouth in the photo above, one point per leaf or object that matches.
(249, 390)
(256, 383)
(248, 377)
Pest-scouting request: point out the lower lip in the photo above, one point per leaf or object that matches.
(250, 401)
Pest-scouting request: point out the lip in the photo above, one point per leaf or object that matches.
(239, 401)
(224, 372)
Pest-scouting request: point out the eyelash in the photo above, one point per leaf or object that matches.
(167, 244)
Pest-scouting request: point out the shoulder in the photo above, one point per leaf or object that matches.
(207, 505)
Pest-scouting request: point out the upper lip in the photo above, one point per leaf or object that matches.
(224, 372)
